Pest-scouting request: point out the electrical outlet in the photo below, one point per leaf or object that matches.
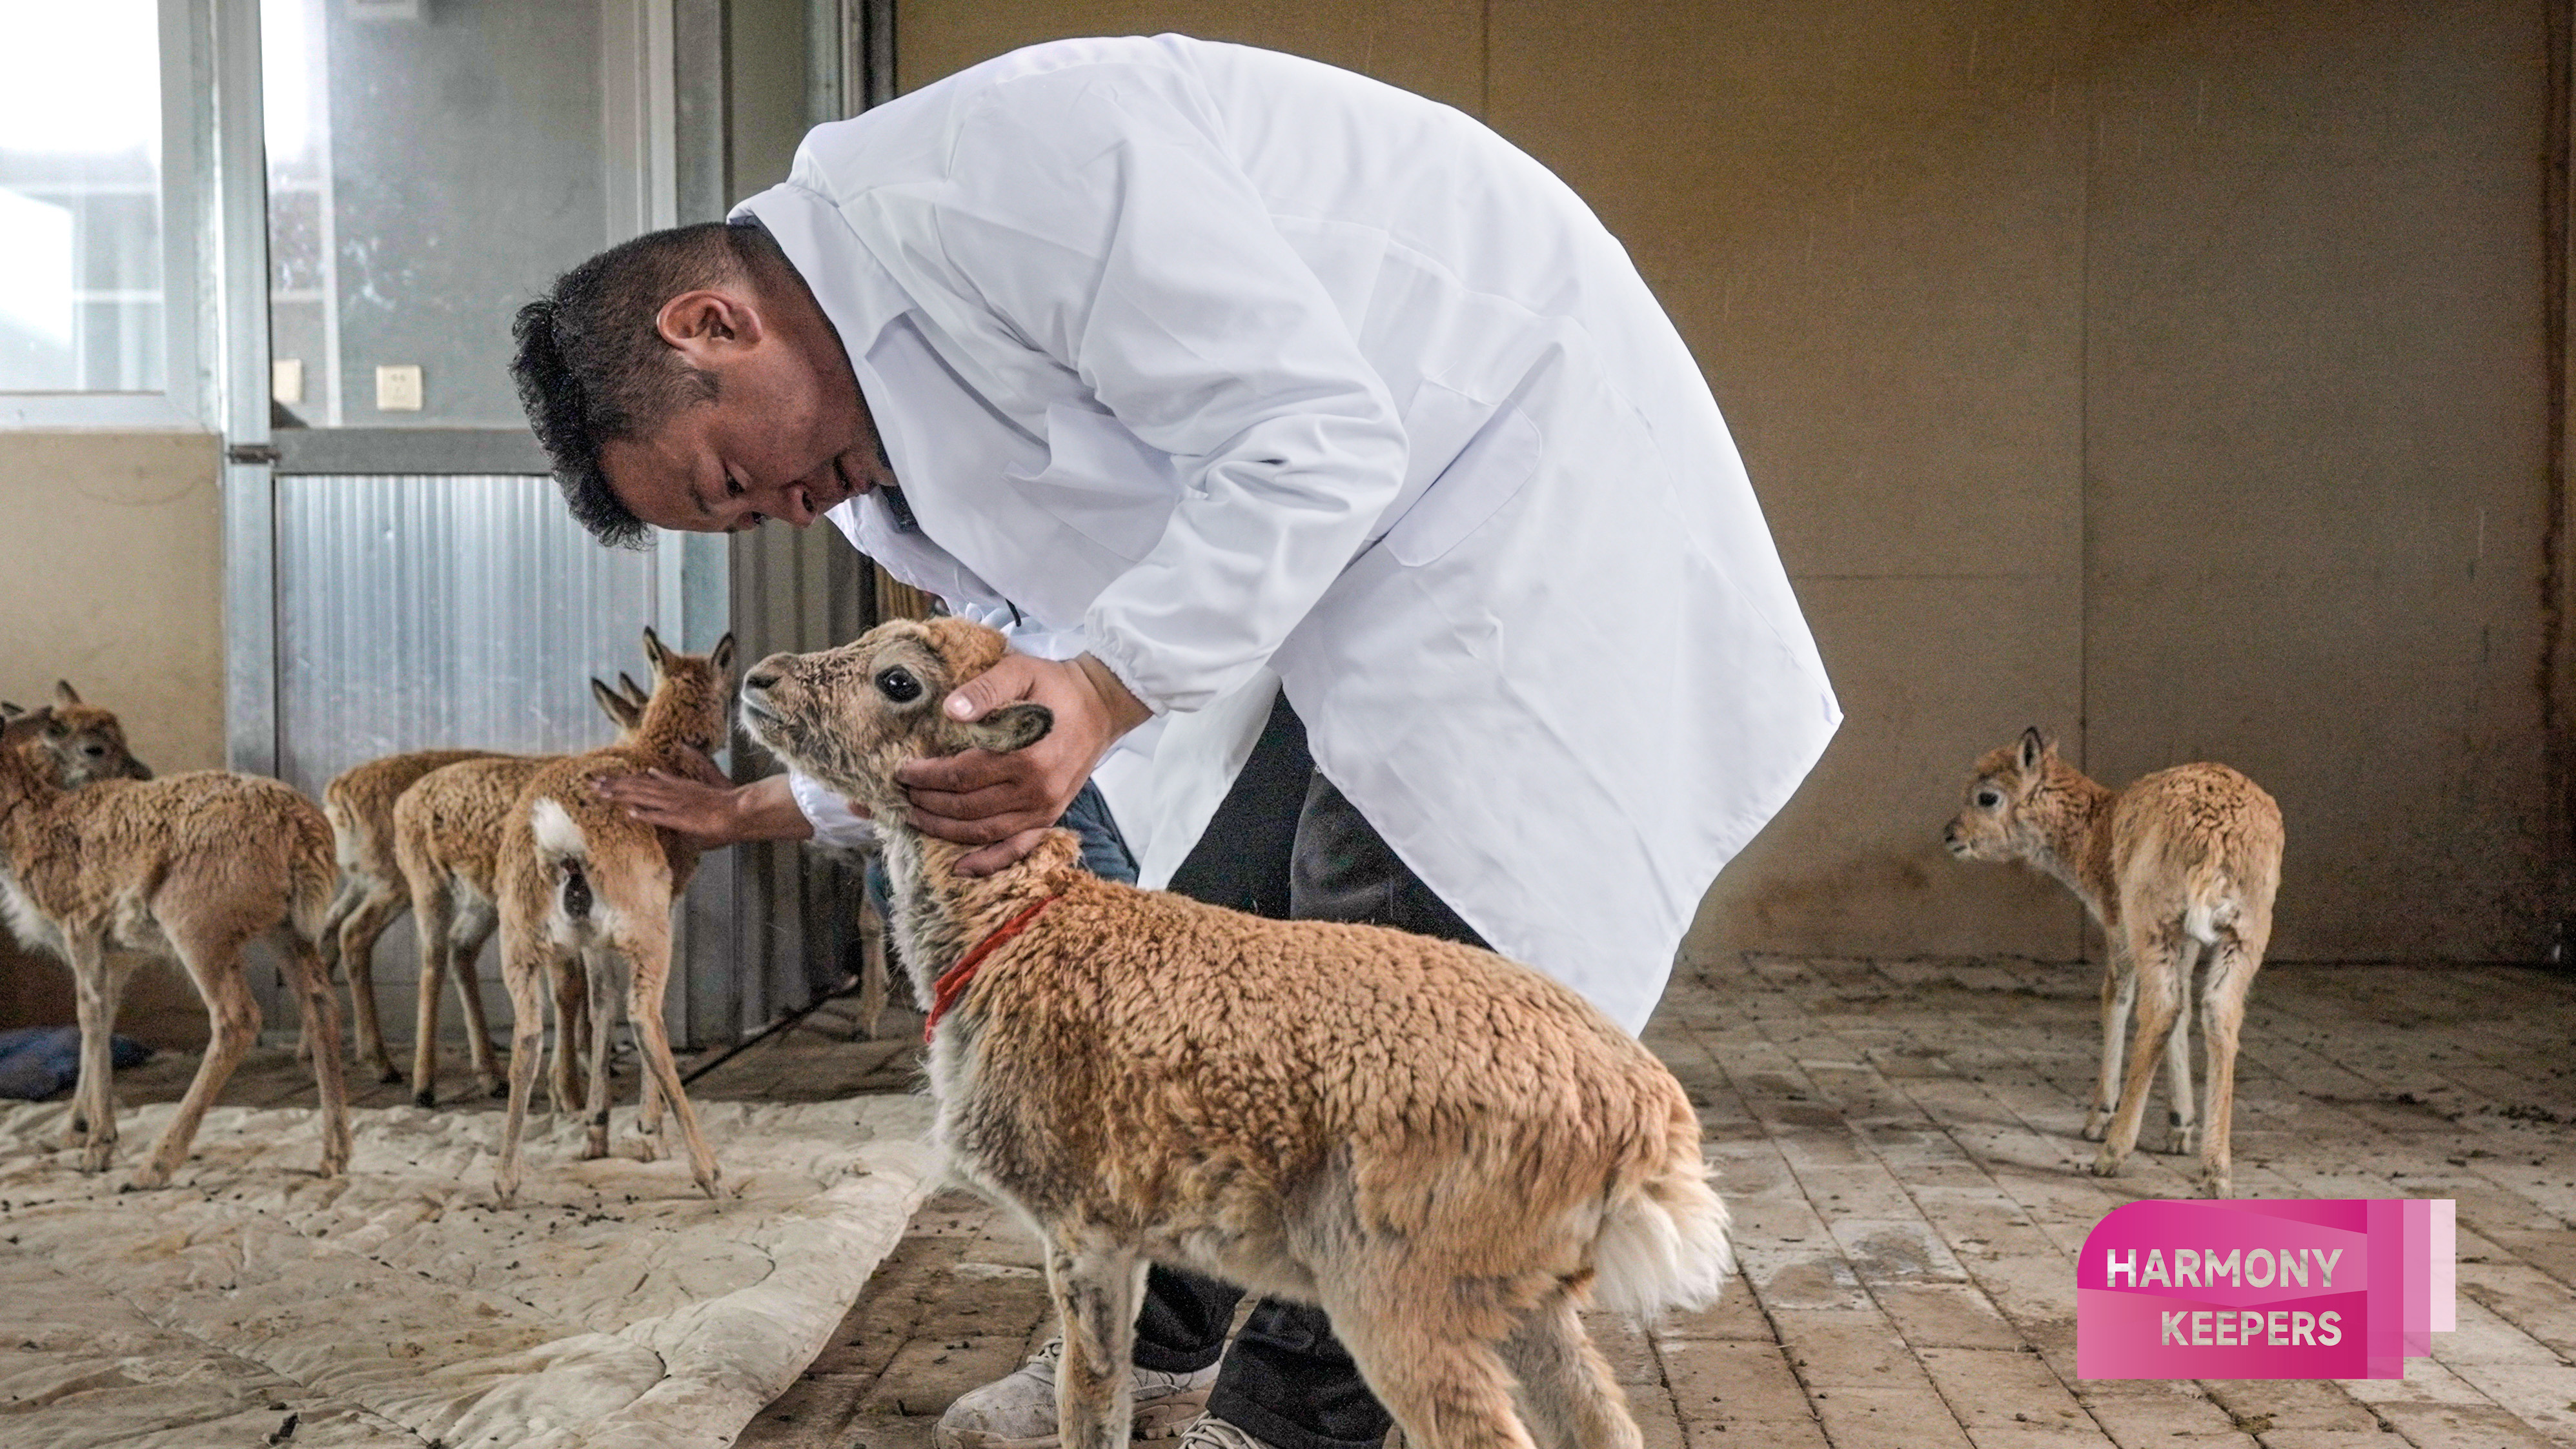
(398, 388)
(286, 379)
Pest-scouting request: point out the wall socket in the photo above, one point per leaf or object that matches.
(286, 379)
(398, 388)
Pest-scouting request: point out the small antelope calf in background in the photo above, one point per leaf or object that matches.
(375, 892)
(77, 743)
(584, 883)
(359, 802)
(1447, 1151)
(2183, 863)
(191, 868)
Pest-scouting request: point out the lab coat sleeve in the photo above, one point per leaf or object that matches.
(834, 822)
(1097, 212)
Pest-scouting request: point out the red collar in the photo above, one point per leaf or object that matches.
(952, 982)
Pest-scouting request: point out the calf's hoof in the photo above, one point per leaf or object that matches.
(2183, 1141)
(425, 1097)
(386, 1075)
(2097, 1125)
(2106, 1164)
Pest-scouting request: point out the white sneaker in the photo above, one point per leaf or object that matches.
(1018, 1411)
(1207, 1431)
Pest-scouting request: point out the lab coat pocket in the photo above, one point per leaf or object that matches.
(1481, 477)
(1102, 481)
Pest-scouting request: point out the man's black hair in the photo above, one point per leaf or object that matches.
(592, 369)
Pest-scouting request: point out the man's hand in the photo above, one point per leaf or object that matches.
(705, 807)
(1004, 802)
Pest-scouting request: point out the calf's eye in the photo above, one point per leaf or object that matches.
(1988, 799)
(899, 685)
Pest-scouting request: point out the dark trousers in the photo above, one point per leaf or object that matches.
(1284, 844)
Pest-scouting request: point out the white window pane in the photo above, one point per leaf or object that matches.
(80, 197)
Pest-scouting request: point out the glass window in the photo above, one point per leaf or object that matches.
(430, 168)
(82, 308)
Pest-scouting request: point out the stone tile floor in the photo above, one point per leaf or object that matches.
(1897, 1140)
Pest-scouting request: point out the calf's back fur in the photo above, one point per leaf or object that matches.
(1446, 1150)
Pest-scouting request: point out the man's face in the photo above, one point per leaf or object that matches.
(787, 436)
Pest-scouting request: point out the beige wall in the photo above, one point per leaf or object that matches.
(2169, 376)
(111, 575)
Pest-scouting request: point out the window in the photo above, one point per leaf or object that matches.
(98, 262)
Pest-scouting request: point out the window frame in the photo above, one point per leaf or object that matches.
(190, 292)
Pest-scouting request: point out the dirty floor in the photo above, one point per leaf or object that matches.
(1897, 1141)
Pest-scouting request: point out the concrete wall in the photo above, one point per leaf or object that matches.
(111, 575)
(2166, 375)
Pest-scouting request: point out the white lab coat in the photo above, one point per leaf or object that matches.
(1228, 366)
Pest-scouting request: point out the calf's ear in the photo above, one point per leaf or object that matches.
(1014, 726)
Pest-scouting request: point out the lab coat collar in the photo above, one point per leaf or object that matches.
(854, 290)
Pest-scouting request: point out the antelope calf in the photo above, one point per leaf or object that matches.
(77, 743)
(359, 802)
(444, 837)
(584, 882)
(2184, 863)
(191, 869)
(1447, 1151)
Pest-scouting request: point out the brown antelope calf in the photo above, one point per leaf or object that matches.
(444, 832)
(2183, 863)
(359, 802)
(191, 869)
(584, 882)
(1447, 1151)
(77, 742)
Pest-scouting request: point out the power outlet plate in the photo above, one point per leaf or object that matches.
(398, 388)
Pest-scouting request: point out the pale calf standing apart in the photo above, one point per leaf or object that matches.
(446, 831)
(582, 881)
(77, 743)
(190, 869)
(1447, 1151)
(2183, 863)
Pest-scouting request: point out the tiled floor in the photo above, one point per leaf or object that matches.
(1897, 1140)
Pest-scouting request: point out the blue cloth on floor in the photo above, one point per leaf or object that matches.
(38, 1061)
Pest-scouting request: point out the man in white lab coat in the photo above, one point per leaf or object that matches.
(1271, 410)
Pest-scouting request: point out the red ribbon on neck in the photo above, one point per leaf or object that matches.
(952, 982)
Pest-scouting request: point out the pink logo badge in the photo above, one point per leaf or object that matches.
(2335, 1288)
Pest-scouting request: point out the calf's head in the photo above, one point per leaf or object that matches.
(74, 743)
(2003, 815)
(849, 716)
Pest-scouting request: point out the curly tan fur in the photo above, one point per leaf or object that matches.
(188, 869)
(582, 882)
(2183, 863)
(1446, 1150)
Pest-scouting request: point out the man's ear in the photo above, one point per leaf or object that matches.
(706, 322)
(1014, 726)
